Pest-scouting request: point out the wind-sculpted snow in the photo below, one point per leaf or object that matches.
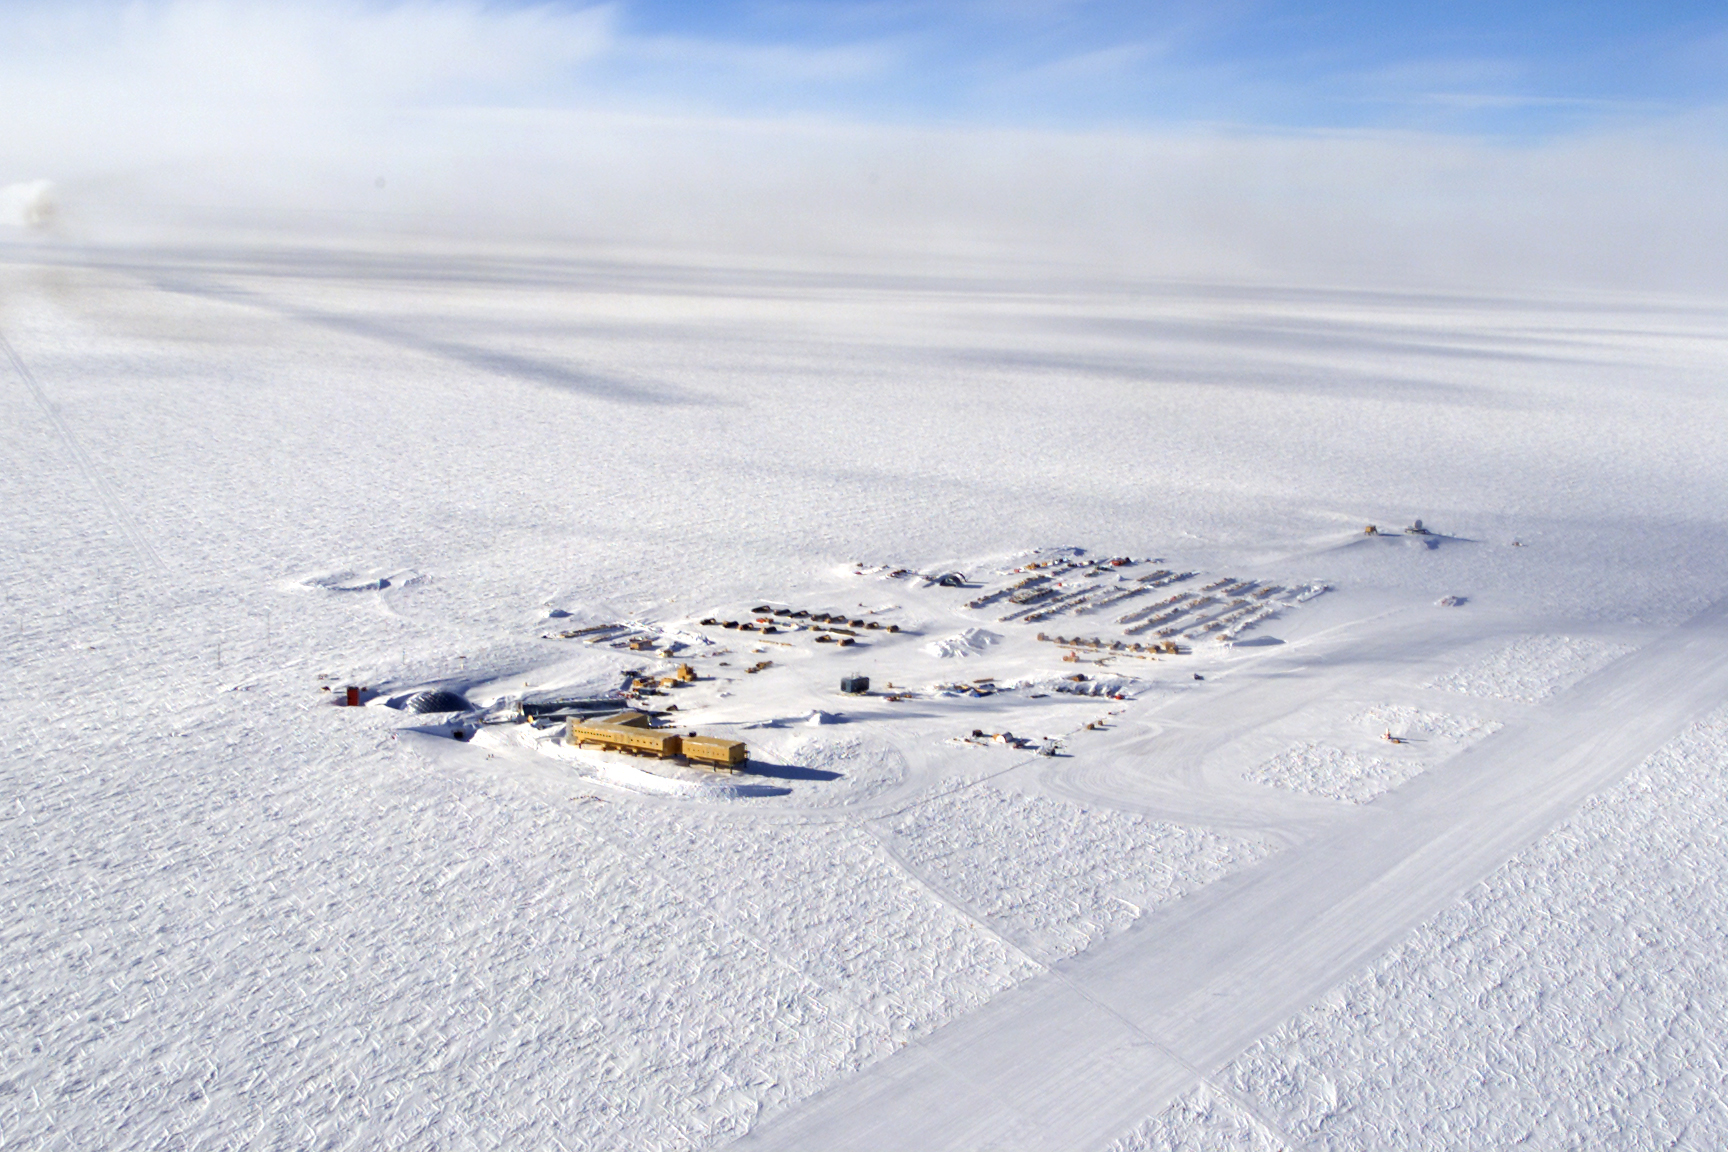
(1429, 734)
(1532, 668)
(597, 974)
(971, 642)
(863, 769)
(1201, 1120)
(1358, 777)
(826, 900)
(1056, 875)
(1335, 772)
(1573, 1000)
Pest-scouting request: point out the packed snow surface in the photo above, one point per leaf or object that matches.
(1572, 999)
(239, 480)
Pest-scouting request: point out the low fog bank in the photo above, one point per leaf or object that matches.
(1627, 211)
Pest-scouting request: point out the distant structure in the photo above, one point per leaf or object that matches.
(629, 732)
(855, 685)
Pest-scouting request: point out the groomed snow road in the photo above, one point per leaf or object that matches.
(1078, 1056)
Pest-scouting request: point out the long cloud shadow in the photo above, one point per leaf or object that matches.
(1315, 334)
(1281, 379)
(532, 370)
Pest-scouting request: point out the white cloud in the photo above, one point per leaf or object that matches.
(777, 62)
(1112, 61)
(491, 122)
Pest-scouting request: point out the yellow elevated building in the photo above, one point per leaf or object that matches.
(714, 750)
(629, 732)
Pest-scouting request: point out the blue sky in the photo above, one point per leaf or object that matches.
(1530, 70)
(1516, 69)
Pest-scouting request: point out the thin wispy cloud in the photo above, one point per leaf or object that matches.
(758, 63)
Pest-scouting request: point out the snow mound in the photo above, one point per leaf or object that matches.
(971, 642)
(347, 580)
(865, 768)
(815, 718)
(1094, 686)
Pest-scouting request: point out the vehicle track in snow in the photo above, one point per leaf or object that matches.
(104, 491)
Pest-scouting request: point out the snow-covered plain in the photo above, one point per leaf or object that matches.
(1572, 999)
(235, 478)
(1068, 874)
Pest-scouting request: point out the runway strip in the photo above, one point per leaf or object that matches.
(1076, 1057)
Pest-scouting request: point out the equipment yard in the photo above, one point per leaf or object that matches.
(816, 667)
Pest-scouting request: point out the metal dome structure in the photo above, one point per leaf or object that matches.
(437, 700)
